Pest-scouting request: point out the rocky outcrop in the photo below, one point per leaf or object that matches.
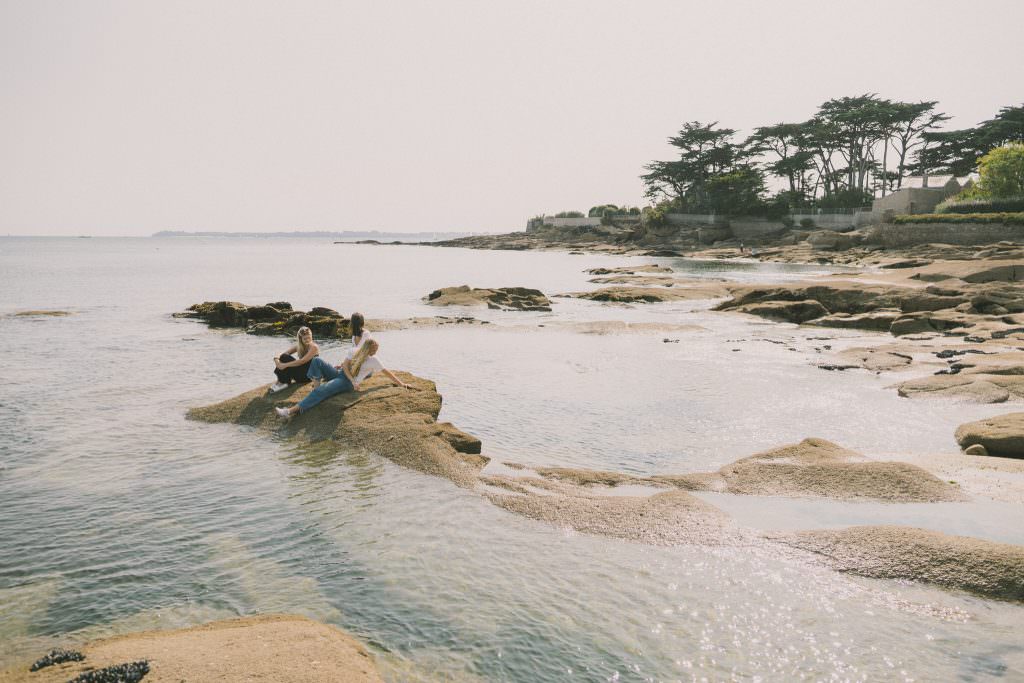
(1002, 435)
(648, 295)
(786, 311)
(811, 468)
(630, 270)
(993, 570)
(504, 298)
(398, 424)
(976, 387)
(280, 648)
(276, 318)
(816, 467)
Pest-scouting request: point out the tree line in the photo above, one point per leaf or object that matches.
(852, 150)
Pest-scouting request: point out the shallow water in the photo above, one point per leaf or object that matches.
(118, 514)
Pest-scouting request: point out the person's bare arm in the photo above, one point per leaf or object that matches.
(395, 379)
(279, 364)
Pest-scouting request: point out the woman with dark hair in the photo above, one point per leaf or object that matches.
(289, 368)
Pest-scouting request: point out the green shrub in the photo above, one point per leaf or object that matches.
(806, 222)
(654, 216)
(569, 214)
(1004, 218)
(1002, 171)
(1003, 205)
(788, 221)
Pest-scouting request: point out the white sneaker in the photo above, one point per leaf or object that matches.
(282, 412)
(277, 386)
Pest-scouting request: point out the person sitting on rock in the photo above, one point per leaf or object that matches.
(341, 378)
(290, 369)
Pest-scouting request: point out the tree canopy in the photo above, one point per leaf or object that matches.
(851, 150)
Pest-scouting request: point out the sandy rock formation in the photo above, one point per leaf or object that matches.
(811, 468)
(1002, 435)
(669, 518)
(981, 385)
(816, 467)
(398, 424)
(786, 311)
(993, 570)
(280, 648)
(504, 298)
(639, 295)
(630, 270)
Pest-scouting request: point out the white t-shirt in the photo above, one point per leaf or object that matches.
(355, 347)
(370, 365)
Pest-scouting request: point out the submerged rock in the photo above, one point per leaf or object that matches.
(669, 518)
(40, 314)
(993, 570)
(504, 298)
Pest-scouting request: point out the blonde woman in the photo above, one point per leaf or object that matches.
(341, 378)
(294, 368)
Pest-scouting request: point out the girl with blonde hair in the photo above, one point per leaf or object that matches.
(341, 378)
(294, 368)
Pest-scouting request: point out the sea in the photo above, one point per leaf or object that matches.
(117, 514)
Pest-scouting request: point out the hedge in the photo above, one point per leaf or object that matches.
(1001, 205)
(1005, 218)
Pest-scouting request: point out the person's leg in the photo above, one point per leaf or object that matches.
(282, 375)
(298, 373)
(321, 370)
(338, 385)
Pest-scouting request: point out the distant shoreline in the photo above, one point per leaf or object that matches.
(425, 236)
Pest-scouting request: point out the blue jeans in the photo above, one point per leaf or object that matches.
(335, 382)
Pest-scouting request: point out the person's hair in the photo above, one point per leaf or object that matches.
(366, 349)
(300, 346)
(357, 323)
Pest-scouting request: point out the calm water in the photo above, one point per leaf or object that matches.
(117, 514)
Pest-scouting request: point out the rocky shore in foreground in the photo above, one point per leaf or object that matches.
(280, 648)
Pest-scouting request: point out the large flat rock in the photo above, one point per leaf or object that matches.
(398, 424)
(279, 648)
(1002, 435)
(993, 570)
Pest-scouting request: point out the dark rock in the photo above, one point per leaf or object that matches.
(56, 656)
(131, 672)
(270, 319)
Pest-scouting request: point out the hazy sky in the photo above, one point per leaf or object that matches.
(132, 117)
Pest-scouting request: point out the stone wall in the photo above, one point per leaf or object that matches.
(694, 219)
(749, 228)
(837, 221)
(909, 234)
(909, 200)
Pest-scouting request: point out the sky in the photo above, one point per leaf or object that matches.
(129, 117)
